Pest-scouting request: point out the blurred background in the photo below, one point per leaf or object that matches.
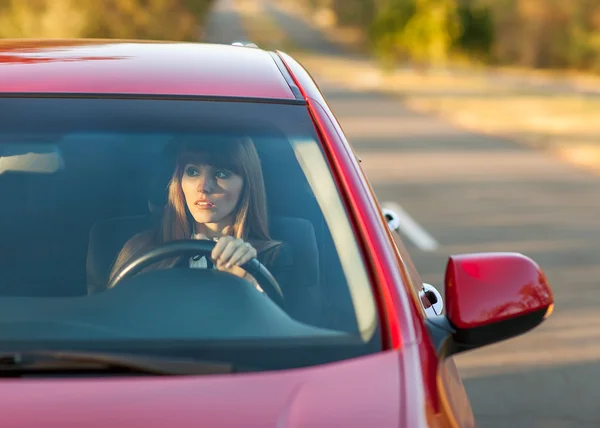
(477, 120)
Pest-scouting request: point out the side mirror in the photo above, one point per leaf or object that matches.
(490, 297)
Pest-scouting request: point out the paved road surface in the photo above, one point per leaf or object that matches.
(476, 193)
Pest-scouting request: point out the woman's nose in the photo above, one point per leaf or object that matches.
(205, 183)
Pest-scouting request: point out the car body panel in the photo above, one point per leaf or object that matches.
(456, 407)
(444, 402)
(120, 67)
(402, 316)
(363, 392)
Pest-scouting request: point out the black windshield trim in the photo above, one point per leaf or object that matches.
(242, 354)
(60, 361)
(287, 76)
(176, 97)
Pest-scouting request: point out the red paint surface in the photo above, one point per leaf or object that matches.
(491, 287)
(139, 68)
(400, 320)
(360, 393)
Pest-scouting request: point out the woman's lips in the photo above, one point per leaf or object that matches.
(204, 204)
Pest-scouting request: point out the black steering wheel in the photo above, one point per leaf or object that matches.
(192, 248)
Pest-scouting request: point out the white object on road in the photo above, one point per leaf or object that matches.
(409, 227)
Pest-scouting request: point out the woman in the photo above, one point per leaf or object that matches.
(216, 192)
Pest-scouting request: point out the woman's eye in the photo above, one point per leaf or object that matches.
(191, 172)
(222, 174)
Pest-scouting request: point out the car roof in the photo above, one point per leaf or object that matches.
(140, 67)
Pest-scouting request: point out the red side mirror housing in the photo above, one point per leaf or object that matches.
(491, 297)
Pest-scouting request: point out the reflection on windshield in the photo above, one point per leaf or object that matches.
(30, 158)
(320, 179)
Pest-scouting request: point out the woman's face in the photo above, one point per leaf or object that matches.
(211, 194)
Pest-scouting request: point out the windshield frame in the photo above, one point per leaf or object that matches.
(344, 196)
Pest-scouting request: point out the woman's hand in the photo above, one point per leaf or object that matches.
(230, 253)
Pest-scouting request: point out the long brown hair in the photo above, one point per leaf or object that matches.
(250, 223)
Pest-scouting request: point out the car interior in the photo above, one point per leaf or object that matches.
(61, 232)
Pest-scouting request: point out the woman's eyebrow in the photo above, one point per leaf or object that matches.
(210, 165)
(199, 164)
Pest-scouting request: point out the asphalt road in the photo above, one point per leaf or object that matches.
(472, 193)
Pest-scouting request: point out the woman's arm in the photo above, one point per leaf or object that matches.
(279, 261)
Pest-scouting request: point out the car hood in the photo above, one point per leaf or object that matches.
(362, 392)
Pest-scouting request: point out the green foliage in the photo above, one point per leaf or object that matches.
(431, 32)
(42, 18)
(477, 35)
(423, 31)
(353, 12)
(386, 29)
(545, 33)
(127, 19)
(531, 33)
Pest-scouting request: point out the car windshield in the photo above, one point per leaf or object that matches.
(90, 185)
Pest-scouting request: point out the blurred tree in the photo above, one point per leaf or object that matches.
(542, 33)
(42, 18)
(431, 32)
(142, 19)
(386, 29)
(133, 19)
(531, 33)
(423, 31)
(477, 36)
(584, 35)
(356, 12)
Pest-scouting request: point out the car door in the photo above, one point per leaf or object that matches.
(455, 404)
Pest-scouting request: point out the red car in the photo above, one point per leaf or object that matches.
(344, 333)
